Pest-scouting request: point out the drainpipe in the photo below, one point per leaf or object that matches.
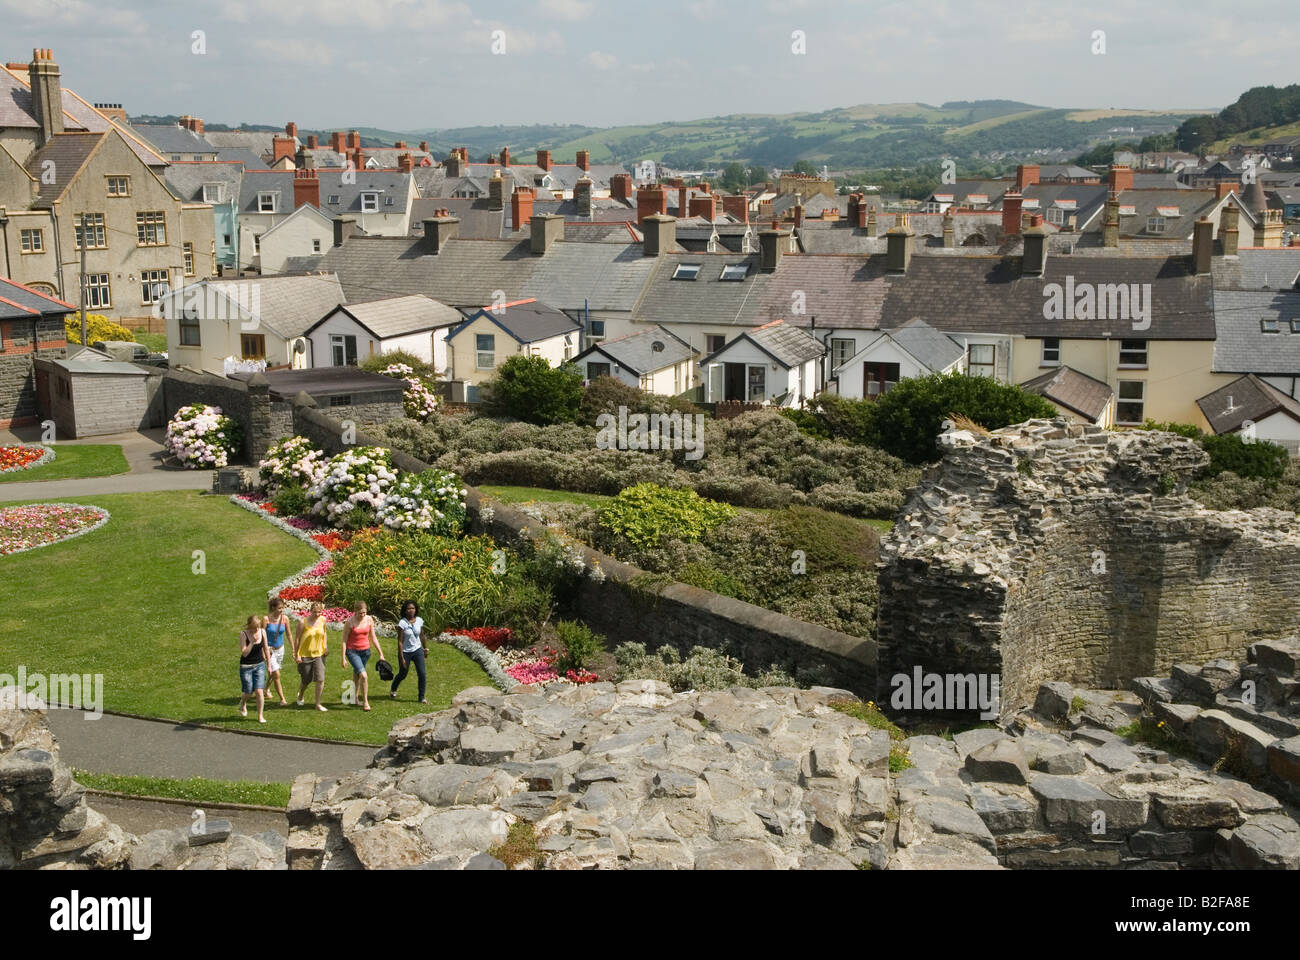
(58, 251)
(4, 231)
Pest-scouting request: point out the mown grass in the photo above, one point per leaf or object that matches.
(74, 460)
(125, 602)
(193, 790)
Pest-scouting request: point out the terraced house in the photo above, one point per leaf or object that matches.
(62, 164)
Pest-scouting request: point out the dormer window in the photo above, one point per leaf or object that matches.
(334, 199)
(388, 201)
(267, 202)
(213, 192)
(369, 202)
(687, 271)
(1155, 224)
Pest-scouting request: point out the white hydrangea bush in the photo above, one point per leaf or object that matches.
(292, 461)
(202, 437)
(356, 479)
(418, 401)
(432, 502)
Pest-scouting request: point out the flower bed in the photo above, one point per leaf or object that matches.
(36, 525)
(24, 456)
(292, 461)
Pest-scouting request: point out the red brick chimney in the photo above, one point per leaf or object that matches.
(798, 214)
(358, 162)
(1012, 204)
(306, 188)
(291, 129)
(405, 162)
(1026, 176)
(424, 146)
(1120, 178)
(505, 156)
(704, 205)
(683, 202)
(737, 206)
(1221, 190)
(282, 147)
(620, 186)
(544, 159)
(193, 124)
(337, 141)
(521, 207)
(650, 201)
(584, 159)
(354, 140)
(313, 142)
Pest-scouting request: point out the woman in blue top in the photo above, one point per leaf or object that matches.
(276, 625)
(413, 648)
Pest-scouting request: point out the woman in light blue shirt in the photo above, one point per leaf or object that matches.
(413, 649)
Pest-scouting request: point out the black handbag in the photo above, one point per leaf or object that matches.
(385, 670)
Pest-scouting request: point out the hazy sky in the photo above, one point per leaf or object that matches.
(426, 64)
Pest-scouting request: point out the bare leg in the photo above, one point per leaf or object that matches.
(363, 684)
(320, 690)
(243, 705)
(261, 703)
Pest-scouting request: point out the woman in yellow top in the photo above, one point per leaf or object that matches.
(309, 649)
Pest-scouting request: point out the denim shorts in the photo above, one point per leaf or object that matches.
(252, 677)
(358, 659)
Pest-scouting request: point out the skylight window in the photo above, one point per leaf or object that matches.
(1270, 325)
(1295, 325)
(334, 198)
(735, 271)
(687, 271)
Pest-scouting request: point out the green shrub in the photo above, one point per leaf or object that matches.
(607, 394)
(909, 418)
(1182, 429)
(98, 327)
(703, 669)
(1255, 460)
(648, 513)
(580, 644)
(455, 582)
(291, 500)
(836, 418)
(530, 389)
(376, 363)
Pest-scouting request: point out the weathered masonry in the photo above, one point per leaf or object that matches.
(1058, 551)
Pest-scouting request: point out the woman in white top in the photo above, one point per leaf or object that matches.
(413, 648)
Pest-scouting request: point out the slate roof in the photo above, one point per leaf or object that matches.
(81, 359)
(68, 152)
(932, 347)
(608, 276)
(169, 138)
(636, 352)
(324, 381)
(1191, 206)
(1242, 346)
(258, 142)
(388, 183)
(19, 302)
(250, 159)
(1048, 171)
(1078, 392)
(186, 179)
(786, 344)
(1258, 269)
(1247, 398)
(286, 305)
(397, 316)
(527, 321)
(477, 221)
(707, 299)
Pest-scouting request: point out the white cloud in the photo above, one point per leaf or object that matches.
(602, 61)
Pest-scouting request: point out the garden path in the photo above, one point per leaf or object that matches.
(158, 748)
(143, 452)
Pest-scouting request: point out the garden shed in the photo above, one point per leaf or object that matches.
(89, 394)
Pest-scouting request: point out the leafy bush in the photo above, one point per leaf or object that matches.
(432, 501)
(909, 418)
(835, 418)
(455, 582)
(607, 394)
(98, 327)
(1253, 459)
(530, 389)
(703, 669)
(1182, 429)
(648, 513)
(419, 403)
(376, 363)
(291, 500)
(200, 436)
(581, 645)
(1227, 491)
(353, 486)
(292, 461)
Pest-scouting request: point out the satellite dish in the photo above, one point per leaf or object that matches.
(657, 346)
(300, 346)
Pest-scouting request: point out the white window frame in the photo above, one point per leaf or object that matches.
(687, 271)
(972, 364)
(154, 285)
(213, 192)
(99, 291)
(370, 202)
(1156, 224)
(592, 335)
(480, 353)
(151, 228)
(1121, 401)
(1055, 216)
(1138, 357)
(339, 347)
(114, 181)
(268, 202)
(842, 351)
(95, 226)
(188, 255)
(1051, 354)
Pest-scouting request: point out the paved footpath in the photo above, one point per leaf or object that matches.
(155, 748)
(143, 452)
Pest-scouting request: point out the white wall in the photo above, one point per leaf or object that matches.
(1281, 429)
(294, 238)
(776, 381)
(429, 345)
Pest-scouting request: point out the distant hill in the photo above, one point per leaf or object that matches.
(1259, 115)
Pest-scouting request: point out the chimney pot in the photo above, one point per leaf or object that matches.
(438, 230)
(770, 247)
(1034, 261)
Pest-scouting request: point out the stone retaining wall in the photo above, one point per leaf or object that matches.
(1059, 551)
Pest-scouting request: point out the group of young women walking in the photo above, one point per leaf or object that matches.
(263, 640)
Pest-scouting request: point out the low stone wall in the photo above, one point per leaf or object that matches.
(628, 604)
(1059, 551)
(247, 403)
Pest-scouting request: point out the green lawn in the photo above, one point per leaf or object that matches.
(195, 789)
(74, 460)
(542, 495)
(123, 602)
(154, 342)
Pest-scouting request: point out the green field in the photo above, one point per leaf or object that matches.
(74, 460)
(125, 602)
